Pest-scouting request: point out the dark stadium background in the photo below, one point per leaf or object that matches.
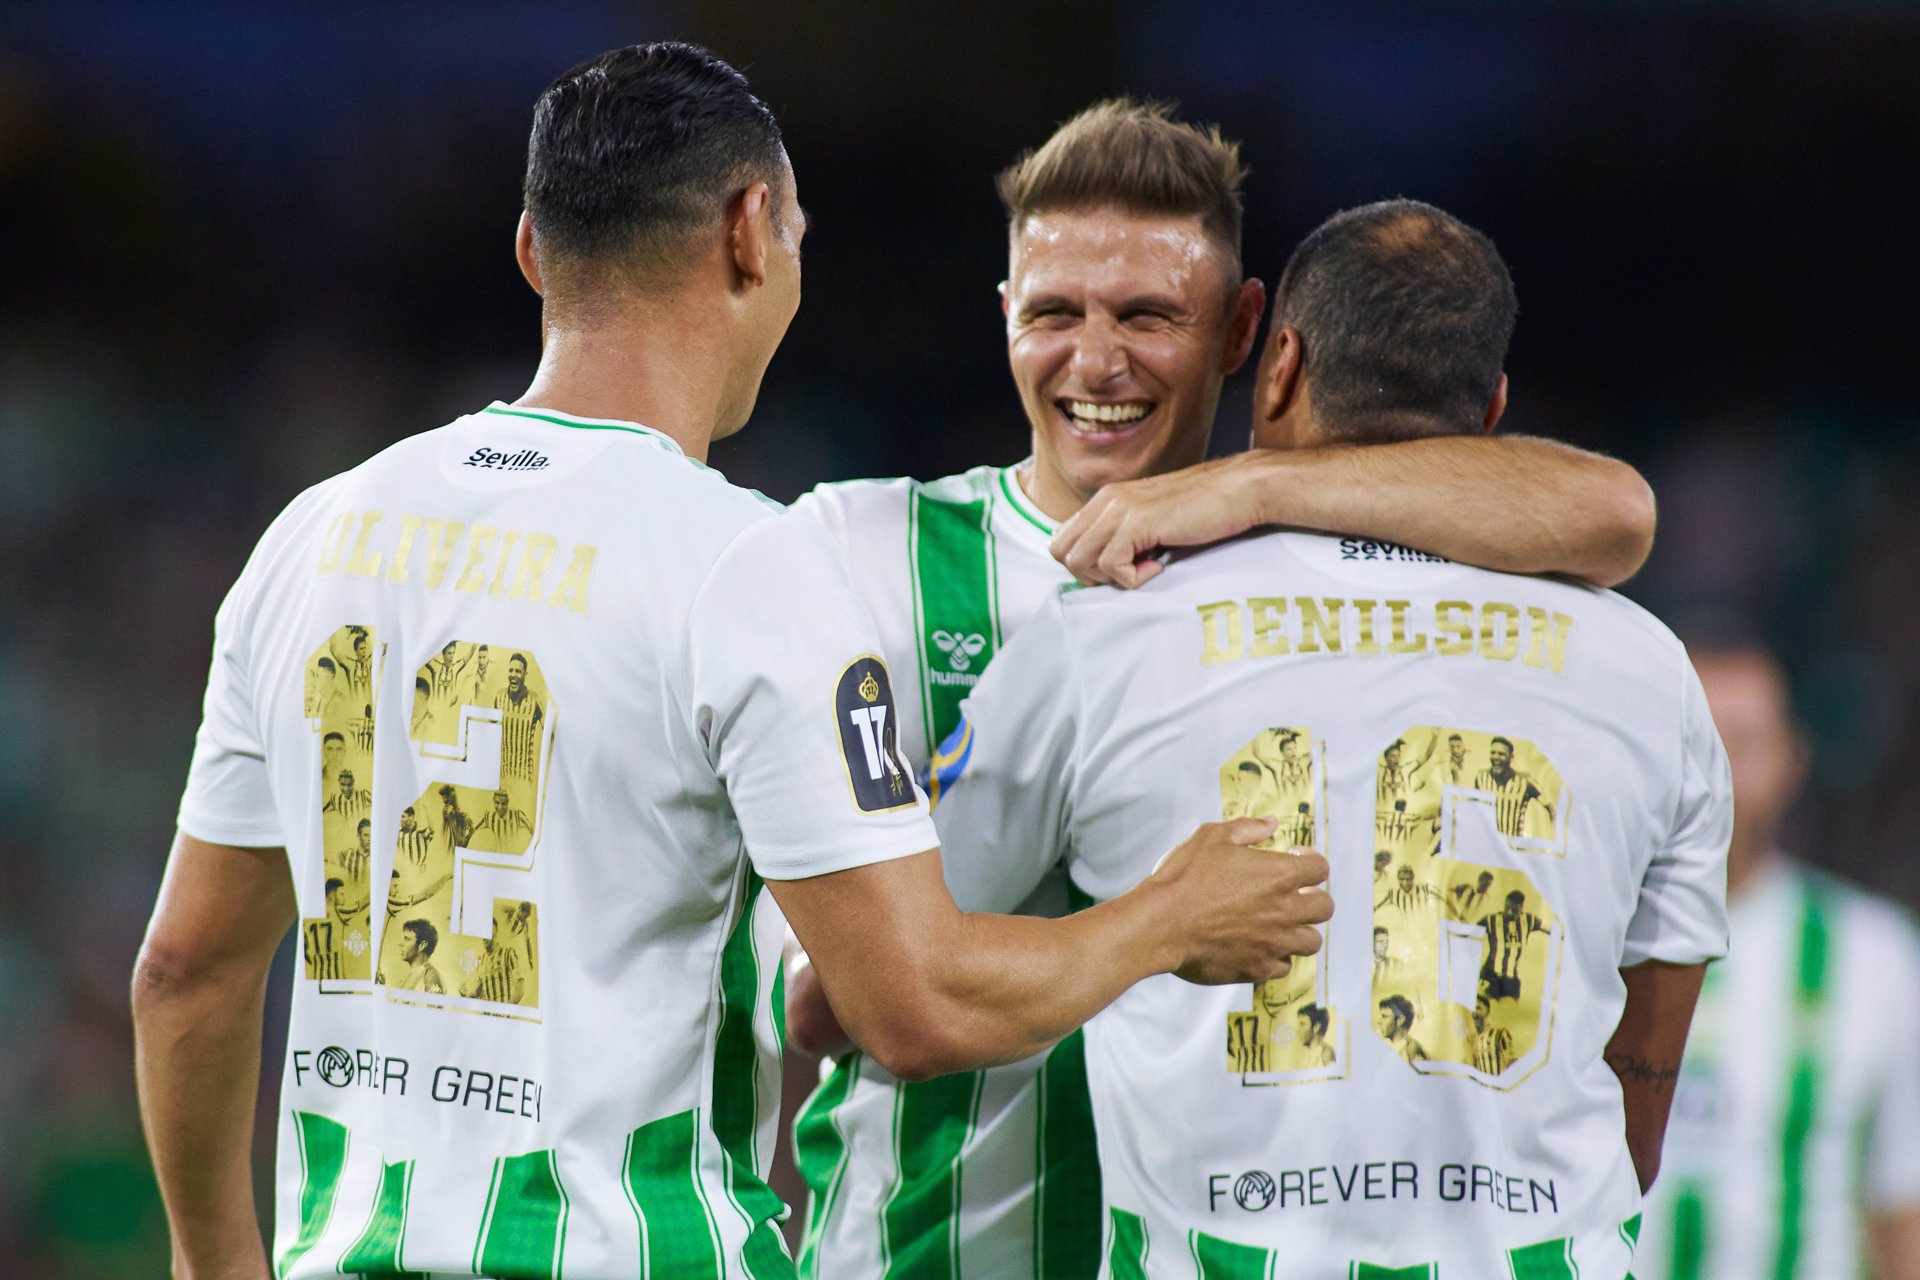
(246, 245)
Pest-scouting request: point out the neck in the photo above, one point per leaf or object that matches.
(666, 369)
(1049, 490)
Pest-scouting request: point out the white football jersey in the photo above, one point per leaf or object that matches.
(984, 1173)
(588, 694)
(1798, 1106)
(1519, 791)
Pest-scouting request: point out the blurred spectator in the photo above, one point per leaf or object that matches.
(1794, 1145)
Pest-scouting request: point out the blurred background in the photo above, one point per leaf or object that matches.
(248, 245)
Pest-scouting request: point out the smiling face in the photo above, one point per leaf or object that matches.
(1120, 330)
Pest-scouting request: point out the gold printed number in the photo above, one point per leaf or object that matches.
(459, 931)
(340, 693)
(1292, 1034)
(1465, 948)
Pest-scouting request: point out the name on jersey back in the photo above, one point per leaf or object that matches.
(1283, 626)
(510, 563)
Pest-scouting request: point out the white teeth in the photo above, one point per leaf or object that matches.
(1087, 411)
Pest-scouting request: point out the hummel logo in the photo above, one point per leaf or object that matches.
(493, 459)
(960, 649)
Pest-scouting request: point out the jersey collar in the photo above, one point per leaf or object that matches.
(577, 423)
(1022, 506)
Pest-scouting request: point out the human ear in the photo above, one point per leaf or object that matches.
(750, 233)
(523, 253)
(1497, 405)
(1249, 304)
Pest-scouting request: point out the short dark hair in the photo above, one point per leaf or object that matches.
(1405, 313)
(1402, 1010)
(1507, 742)
(1316, 1015)
(428, 935)
(333, 735)
(637, 148)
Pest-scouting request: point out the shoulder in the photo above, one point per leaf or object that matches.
(849, 501)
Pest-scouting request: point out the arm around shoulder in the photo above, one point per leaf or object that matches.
(1554, 508)
(1513, 503)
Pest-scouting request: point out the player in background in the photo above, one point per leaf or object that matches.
(1126, 308)
(603, 1105)
(1112, 711)
(1795, 1143)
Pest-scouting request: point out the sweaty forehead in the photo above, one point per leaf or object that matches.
(1100, 249)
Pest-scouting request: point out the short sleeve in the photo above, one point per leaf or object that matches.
(819, 505)
(1001, 781)
(1892, 1179)
(792, 697)
(1682, 916)
(229, 795)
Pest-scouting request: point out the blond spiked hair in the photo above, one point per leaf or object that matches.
(1135, 156)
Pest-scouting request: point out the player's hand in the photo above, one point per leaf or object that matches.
(1240, 913)
(1112, 541)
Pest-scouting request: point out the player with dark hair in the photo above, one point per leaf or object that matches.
(333, 750)
(1395, 1025)
(710, 763)
(418, 940)
(1512, 790)
(1112, 708)
(1125, 308)
(1508, 931)
(521, 716)
(1492, 1046)
(1310, 1028)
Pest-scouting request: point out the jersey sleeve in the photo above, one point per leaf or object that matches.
(1002, 779)
(821, 504)
(1891, 1183)
(229, 795)
(1682, 916)
(796, 708)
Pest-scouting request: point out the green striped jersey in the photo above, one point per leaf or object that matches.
(992, 1174)
(1798, 1106)
(609, 693)
(1427, 1095)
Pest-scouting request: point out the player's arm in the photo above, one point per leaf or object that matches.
(198, 991)
(1893, 1242)
(1515, 503)
(1679, 924)
(1645, 1053)
(928, 989)
(812, 1025)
